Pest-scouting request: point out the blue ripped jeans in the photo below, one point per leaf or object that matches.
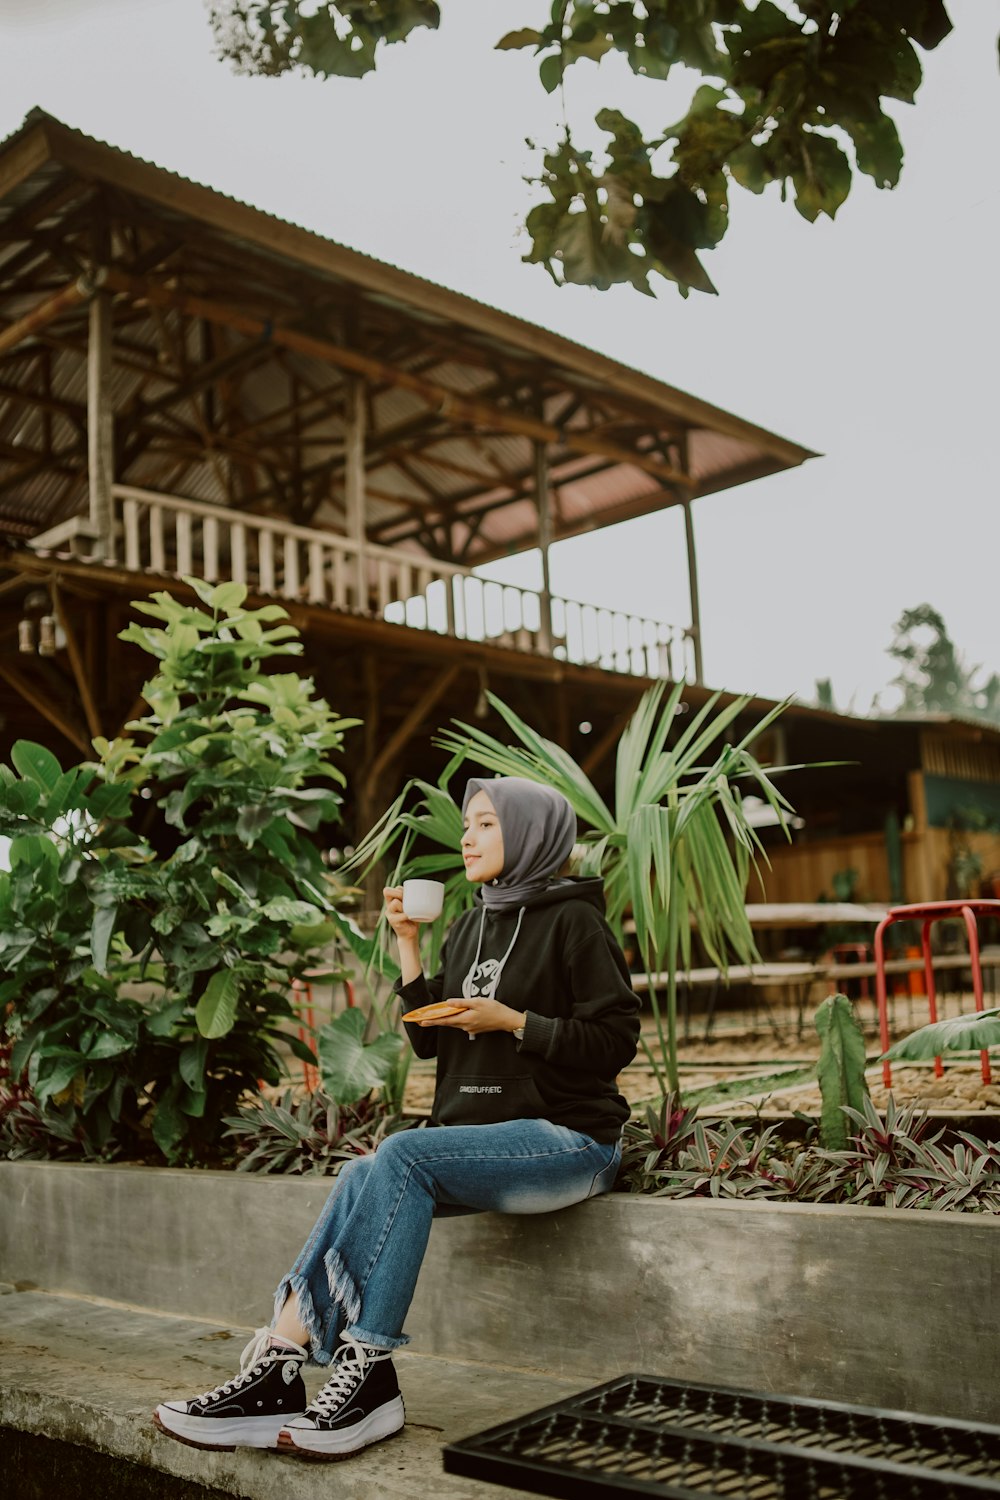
(358, 1269)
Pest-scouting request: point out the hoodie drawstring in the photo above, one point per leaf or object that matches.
(494, 982)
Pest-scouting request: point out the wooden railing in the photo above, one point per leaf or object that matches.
(166, 536)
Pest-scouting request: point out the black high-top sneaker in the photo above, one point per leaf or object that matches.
(250, 1409)
(359, 1404)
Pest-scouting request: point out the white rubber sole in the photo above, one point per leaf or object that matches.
(220, 1432)
(311, 1442)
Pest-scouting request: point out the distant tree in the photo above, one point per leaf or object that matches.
(824, 694)
(933, 676)
(795, 97)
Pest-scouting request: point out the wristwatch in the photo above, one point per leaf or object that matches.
(518, 1031)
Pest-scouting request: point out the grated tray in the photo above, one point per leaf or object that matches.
(644, 1435)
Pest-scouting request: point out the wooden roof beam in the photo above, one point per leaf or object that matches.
(449, 403)
(246, 359)
(46, 311)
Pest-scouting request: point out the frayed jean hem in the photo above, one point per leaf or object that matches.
(317, 1333)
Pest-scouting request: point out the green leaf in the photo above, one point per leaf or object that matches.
(37, 852)
(879, 150)
(36, 764)
(162, 1021)
(282, 909)
(349, 1068)
(974, 1032)
(298, 1048)
(227, 597)
(109, 1044)
(191, 1064)
(526, 37)
(101, 932)
(215, 1013)
(550, 71)
(169, 1125)
(56, 1073)
(822, 178)
(251, 823)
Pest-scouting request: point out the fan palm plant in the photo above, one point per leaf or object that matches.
(675, 850)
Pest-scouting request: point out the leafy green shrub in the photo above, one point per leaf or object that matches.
(310, 1133)
(84, 1050)
(146, 993)
(239, 763)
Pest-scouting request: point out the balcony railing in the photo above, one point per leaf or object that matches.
(166, 536)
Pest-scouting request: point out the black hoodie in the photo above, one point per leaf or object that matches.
(566, 970)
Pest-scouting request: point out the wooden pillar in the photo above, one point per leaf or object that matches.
(354, 479)
(699, 671)
(692, 562)
(100, 425)
(918, 850)
(543, 500)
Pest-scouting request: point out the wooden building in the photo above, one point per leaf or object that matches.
(912, 808)
(188, 385)
(191, 386)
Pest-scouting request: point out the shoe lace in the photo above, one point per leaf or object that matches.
(256, 1353)
(351, 1362)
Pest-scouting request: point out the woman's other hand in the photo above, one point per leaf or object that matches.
(479, 1016)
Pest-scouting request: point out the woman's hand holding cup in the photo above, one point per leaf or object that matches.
(403, 926)
(411, 903)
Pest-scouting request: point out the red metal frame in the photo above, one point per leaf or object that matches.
(927, 914)
(301, 991)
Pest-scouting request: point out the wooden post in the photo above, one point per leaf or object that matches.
(692, 561)
(100, 431)
(699, 671)
(83, 683)
(354, 482)
(542, 497)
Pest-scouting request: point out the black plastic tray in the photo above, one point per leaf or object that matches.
(645, 1435)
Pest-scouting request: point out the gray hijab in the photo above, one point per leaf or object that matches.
(539, 831)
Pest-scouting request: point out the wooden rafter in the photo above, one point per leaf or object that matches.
(455, 406)
(45, 312)
(44, 703)
(80, 674)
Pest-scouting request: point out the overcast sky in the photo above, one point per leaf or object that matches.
(872, 340)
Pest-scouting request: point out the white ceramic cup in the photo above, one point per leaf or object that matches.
(423, 900)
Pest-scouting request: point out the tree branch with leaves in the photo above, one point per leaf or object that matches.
(794, 94)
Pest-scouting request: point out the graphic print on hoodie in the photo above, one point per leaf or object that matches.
(556, 958)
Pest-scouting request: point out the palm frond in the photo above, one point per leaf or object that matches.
(539, 760)
(639, 762)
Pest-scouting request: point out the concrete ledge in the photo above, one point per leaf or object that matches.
(87, 1375)
(873, 1306)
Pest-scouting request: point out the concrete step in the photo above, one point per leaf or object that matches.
(79, 1377)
